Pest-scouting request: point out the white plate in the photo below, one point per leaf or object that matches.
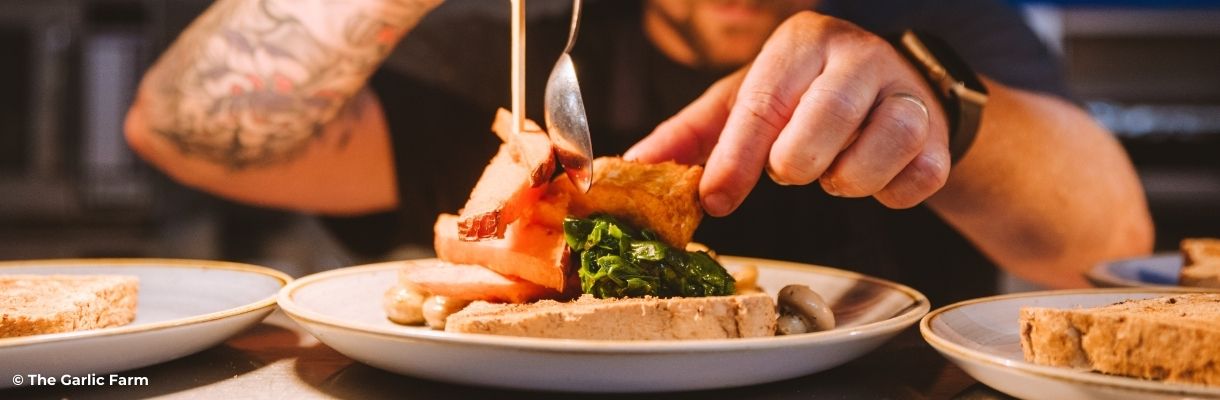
(342, 308)
(184, 306)
(982, 337)
(1158, 270)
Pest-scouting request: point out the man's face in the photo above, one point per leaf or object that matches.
(724, 34)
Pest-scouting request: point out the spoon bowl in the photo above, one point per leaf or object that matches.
(566, 121)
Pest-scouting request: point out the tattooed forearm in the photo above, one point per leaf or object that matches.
(252, 82)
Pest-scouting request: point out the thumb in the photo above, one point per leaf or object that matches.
(689, 136)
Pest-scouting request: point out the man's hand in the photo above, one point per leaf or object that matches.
(824, 101)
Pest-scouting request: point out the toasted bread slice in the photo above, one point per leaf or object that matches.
(531, 252)
(1171, 338)
(1200, 251)
(38, 304)
(502, 195)
(649, 318)
(532, 148)
(1201, 275)
(1201, 263)
(661, 197)
(511, 183)
(470, 282)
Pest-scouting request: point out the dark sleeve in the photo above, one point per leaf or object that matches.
(441, 143)
(440, 89)
(990, 35)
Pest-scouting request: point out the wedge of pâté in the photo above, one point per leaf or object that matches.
(648, 318)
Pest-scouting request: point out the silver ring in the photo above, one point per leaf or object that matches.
(911, 98)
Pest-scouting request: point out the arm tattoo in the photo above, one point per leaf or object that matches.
(253, 82)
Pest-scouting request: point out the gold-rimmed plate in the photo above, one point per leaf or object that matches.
(343, 309)
(184, 306)
(982, 336)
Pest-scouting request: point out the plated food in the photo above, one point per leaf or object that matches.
(1201, 262)
(1173, 338)
(649, 318)
(1195, 264)
(183, 306)
(343, 308)
(1141, 335)
(39, 304)
(534, 256)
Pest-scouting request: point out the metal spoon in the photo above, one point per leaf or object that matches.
(566, 122)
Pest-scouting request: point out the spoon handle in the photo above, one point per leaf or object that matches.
(575, 26)
(518, 65)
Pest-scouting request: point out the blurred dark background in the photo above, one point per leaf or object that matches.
(69, 187)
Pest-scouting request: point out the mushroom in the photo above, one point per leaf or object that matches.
(801, 310)
(438, 308)
(404, 305)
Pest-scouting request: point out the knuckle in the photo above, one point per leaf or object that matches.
(805, 18)
(922, 178)
(839, 184)
(928, 174)
(841, 108)
(874, 44)
(794, 170)
(906, 132)
(811, 26)
(870, 48)
(896, 199)
(837, 29)
(766, 107)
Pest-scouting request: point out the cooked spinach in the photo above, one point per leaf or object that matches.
(617, 260)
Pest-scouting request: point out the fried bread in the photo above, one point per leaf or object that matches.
(38, 304)
(1171, 338)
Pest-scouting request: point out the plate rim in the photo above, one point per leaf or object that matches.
(1071, 376)
(1099, 275)
(900, 320)
(261, 304)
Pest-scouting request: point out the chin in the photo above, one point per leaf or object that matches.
(728, 53)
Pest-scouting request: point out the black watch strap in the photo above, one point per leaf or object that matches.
(960, 92)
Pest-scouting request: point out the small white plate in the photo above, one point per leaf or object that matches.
(342, 308)
(1158, 270)
(183, 306)
(982, 337)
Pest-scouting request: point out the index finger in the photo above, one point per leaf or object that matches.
(689, 136)
(764, 104)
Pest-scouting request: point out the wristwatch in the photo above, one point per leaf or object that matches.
(959, 90)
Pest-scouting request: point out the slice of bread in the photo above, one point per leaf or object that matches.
(510, 183)
(1174, 338)
(1201, 275)
(649, 318)
(663, 197)
(1200, 251)
(37, 304)
(1201, 263)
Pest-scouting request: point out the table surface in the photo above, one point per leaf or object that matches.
(277, 359)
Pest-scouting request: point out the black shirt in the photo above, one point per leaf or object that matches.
(441, 86)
